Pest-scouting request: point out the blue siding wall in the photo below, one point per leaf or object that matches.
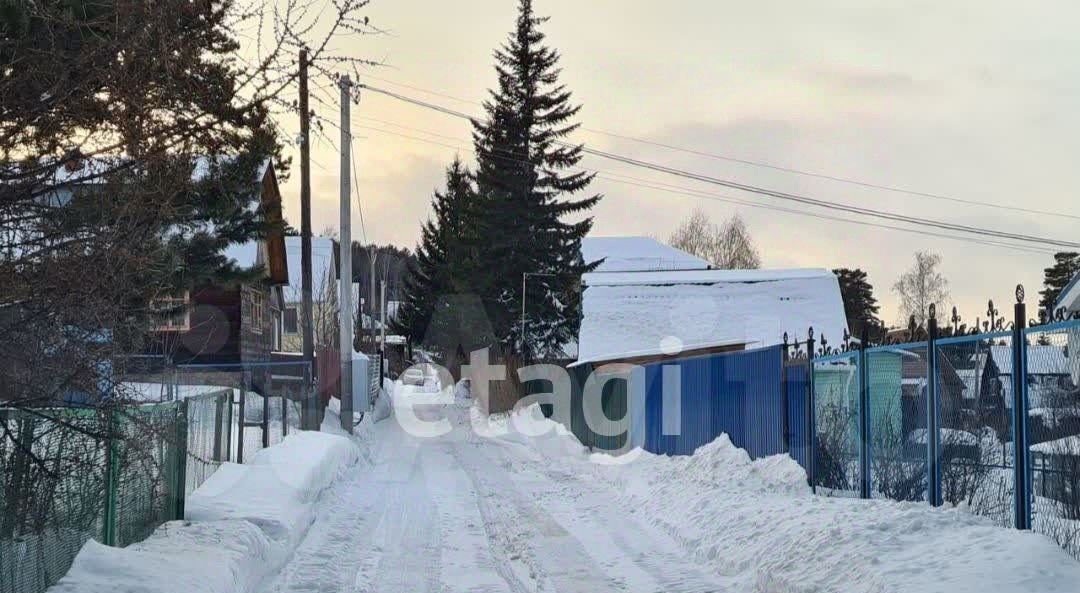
(737, 393)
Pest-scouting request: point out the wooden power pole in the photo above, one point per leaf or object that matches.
(308, 412)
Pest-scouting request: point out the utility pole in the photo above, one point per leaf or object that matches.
(373, 254)
(345, 315)
(382, 330)
(308, 412)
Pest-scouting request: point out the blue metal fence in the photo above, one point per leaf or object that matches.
(987, 422)
(737, 393)
(796, 392)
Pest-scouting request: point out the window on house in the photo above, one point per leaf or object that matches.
(172, 313)
(257, 305)
(291, 321)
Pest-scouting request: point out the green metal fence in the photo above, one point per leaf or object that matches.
(69, 475)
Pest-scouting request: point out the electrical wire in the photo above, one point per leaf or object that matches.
(765, 165)
(858, 210)
(648, 184)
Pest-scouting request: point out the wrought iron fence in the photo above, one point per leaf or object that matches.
(988, 422)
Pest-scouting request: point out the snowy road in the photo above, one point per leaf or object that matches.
(465, 513)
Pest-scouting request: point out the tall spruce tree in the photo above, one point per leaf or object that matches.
(440, 256)
(524, 180)
(1057, 277)
(860, 305)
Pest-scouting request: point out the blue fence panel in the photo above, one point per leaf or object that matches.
(1053, 377)
(836, 411)
(797, 391)
(975, 437)
(737, 393)
(897, 391)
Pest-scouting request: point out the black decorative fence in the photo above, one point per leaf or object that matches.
(986, 419)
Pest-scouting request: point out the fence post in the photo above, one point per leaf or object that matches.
(785, 404)
(284, 411)
(112, 478)
(241, 423)
(864, 418)
(219, 418)
(268, 389)
(933, 413)
(1021, 477)
(228, 426)
(308, 401)
(180, 459)
(811, 419)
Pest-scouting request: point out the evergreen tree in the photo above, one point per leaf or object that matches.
(524, 182)
(435, 272)
(860, 305)
(1057, 277)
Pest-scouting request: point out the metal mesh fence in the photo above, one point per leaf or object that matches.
(208, 420)
(897, 392)
(836, 414)
(975, 404)
(53, 489)
(146, 468)
(267, 399)
(1053, 376)
(68, 475)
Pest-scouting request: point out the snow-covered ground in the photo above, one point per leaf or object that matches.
(514, 503)
(517, 504)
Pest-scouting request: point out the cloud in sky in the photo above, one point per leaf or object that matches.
(969, 99)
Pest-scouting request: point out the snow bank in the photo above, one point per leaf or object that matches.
(242, 525)
(758, 522)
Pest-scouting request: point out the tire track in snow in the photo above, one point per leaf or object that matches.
(326, 560)
(558, 558)
(501, 560)
(408, 535)
(656, 554)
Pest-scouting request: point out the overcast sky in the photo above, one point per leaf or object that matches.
(972, 99)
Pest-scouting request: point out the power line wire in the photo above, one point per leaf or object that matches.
(765, 165)
(648, 184)
(858, 210)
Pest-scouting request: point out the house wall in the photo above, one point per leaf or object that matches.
(221, 330)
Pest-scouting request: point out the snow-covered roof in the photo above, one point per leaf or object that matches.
(1069, 299)
(246, 255)
(643, 313)
(1041, 360)
(1069, 445)
(323, 270)
(91, 170)
(636, 254)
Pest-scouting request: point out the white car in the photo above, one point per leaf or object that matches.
(412, 376)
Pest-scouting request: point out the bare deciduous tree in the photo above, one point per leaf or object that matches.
(920, 286)
(727, 246)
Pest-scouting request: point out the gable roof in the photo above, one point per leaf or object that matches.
(1041, 360)
(637, 254)
(1069, 299)
(627, 314)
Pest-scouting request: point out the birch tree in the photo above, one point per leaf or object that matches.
(920, 286)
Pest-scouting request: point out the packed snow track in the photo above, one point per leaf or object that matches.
(462, 512)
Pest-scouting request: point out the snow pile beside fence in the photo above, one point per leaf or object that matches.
(758, 520)
(242, 525)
